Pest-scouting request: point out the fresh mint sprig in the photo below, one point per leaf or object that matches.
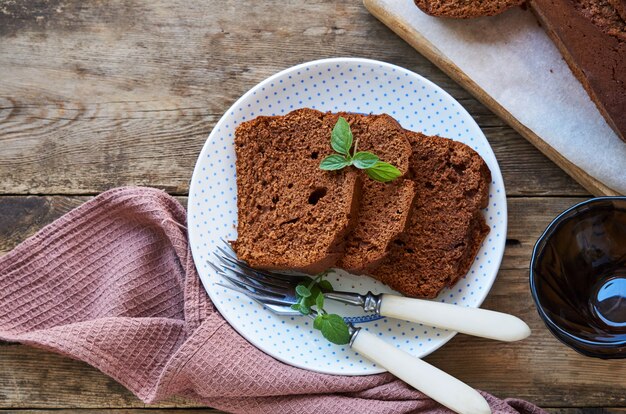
(341, 141)
(332, 326)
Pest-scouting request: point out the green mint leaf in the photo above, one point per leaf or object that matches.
(303, 291)
(325, 285)
(319, 302)
(364, 160)
(334, 329)
(383, 172)
(303, 309)
(311, 300)
(317, 322)
(341, 137)
(334, 162)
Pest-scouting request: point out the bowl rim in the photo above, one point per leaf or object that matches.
(553, 327)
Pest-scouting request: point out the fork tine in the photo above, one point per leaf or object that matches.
(260, 279)
(261, 298)
(214, 267)
(255, 285)
(267, 290)
(244, 286)
(229, 256)
(249, 282)
(220, 271)
(241, 269)
(229, 253)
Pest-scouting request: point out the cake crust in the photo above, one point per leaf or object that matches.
(446, 226)
(465, 9)
(384, 207)
(591, 36)
(291, 214)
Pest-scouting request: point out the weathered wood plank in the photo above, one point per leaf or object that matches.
(125, 46)
(21, 216)
(94, 97)
(159, 148)
(526, 171)
(33, 378)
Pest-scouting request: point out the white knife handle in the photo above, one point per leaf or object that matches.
(438, 385)
(471, 321)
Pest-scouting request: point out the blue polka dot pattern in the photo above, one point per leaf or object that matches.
(342, 84)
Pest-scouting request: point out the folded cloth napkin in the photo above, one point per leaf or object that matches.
(113, 283)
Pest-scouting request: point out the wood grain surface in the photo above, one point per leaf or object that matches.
(95, 95)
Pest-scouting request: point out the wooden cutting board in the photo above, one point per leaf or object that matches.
(391, 14)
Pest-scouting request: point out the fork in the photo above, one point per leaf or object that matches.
(435, 383)
(471, 321)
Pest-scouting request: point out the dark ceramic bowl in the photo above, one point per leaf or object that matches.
(578, 277)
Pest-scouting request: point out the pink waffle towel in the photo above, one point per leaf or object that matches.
(113, 283)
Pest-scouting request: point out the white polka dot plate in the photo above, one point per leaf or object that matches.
(340, 84)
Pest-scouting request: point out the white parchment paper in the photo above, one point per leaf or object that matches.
(514, 61)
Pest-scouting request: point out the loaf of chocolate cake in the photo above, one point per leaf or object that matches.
(591, 35)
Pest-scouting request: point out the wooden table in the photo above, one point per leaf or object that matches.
(99, 94)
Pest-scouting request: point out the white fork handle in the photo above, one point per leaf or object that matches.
(471, 321)
(438, 385)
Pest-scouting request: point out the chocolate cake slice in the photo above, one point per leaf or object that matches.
(446, 226)
(291, 214)
(384, 207)
(465, 9)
